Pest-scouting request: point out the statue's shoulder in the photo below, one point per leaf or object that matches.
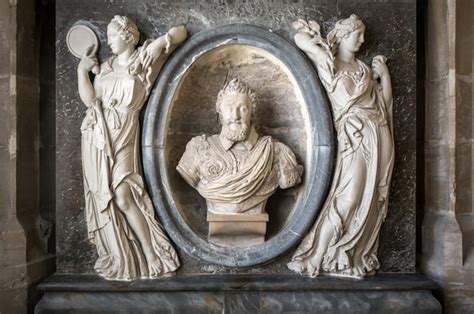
(280, 148)
(284, 156)
(198, 140)
(191, 160)
(288, 169)
(105, 67)
(193, 152)
(199, 143)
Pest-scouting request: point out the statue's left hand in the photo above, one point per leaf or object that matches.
(154, 51)
(379, 67)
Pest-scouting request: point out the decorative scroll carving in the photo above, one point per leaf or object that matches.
(121, 223)
(344, 239)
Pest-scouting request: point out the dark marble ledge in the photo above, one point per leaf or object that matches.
(231, 282)
(162, 147)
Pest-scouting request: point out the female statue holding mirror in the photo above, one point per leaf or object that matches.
(130, 243)
(344, 239)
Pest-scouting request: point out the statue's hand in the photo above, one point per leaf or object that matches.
(159, 48)
(379, 67)
(154, 50)
(89, 62)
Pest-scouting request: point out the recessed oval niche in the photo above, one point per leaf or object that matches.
(291, 107)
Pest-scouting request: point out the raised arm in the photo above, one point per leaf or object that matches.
(379, 67)
(386, 83)
(318, 52)
(86, 89)
(305, 42)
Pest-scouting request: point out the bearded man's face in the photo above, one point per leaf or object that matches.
(236, 116)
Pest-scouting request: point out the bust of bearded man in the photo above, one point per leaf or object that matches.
(237, 170)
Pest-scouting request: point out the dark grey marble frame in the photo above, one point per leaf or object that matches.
(321, 160)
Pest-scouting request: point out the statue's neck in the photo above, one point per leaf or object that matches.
(346, 56)
(123, 58)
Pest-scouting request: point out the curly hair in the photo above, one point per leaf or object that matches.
(343, 28)
(127, 30)
(236, 86)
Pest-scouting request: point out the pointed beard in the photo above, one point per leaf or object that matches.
(237, 133)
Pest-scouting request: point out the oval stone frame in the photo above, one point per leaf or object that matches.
(321, 136)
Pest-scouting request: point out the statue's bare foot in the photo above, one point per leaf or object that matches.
(296, 266)
(314, 265)
(313, 269)
(155, 267)
(169, 274)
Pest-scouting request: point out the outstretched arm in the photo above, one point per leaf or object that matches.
(157, 51)
(174, 37)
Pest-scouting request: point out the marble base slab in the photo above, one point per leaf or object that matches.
(237, 230)
(239, 294)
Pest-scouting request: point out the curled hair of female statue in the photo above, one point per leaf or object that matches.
(127, 29)
(342, 29)
(236, 86)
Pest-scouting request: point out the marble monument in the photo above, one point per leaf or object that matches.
(237, 170)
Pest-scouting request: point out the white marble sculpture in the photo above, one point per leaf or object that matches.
(344, 239)
(237, 170)
(130, 243)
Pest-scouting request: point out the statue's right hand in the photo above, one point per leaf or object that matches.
(88, 61)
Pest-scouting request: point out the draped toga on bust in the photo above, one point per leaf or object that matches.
(238, 177)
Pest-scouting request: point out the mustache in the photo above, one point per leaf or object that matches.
(235, 121)
(239, 121)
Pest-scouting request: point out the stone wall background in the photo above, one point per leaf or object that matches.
(391, 31)
(27, 137)
(447, 231)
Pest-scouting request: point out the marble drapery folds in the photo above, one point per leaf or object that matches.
(344, 239)
(212, 170)
(130, 242)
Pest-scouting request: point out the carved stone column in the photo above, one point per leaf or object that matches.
(24, 234)
(448, 229)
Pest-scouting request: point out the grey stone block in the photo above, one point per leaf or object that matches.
(239, 294)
